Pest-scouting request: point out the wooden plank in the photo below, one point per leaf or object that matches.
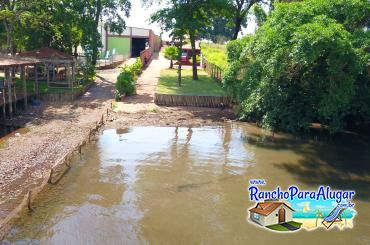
(8, 81)
(24, 81)
(4, 102)
(188, 100)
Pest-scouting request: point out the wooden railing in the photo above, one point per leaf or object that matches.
(213, 70)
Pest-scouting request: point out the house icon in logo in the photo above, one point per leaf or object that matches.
(271, 212)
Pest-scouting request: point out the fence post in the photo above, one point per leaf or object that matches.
(29, 201)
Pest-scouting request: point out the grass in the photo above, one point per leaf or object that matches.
(279, 227)
(215, 53)
(44, 88)
(295, 224)
(204, 86)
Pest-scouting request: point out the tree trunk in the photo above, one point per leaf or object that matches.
(171, 64)
(96, 37)
(194, 57)
(179, 66)
(75, 51)
(238, 23)
(9, 39)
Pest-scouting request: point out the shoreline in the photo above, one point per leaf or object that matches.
(57, 132)
(18, 189)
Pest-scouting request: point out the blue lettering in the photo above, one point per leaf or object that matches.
(293, 191)
(321, 193)
(253, 190)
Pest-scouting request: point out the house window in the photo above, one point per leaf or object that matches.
(256, 216)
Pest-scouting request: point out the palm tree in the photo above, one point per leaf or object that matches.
(319, 214)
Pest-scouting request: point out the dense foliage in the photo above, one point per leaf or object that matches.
(307, 63)
(126, 80)
(64, 25)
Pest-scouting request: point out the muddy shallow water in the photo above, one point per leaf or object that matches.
(167, 185)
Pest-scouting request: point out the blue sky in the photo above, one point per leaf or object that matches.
(307, 208)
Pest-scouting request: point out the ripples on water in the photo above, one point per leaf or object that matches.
(165, 185)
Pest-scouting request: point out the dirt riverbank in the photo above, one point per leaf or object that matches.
(55, 131)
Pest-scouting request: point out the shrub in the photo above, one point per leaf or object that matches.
(171, 53)
(125, 84)
(234, 48)
(305, 64)
(137, 67)
(88, 73)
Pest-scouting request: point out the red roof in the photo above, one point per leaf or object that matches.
(266, 208)
(46, 53)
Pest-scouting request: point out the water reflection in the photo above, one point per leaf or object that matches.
(163, 185)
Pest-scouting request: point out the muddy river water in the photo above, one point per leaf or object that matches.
(167, 185)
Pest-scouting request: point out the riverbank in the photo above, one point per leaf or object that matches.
(56, 131)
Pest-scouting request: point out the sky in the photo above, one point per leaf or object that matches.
(139, 17)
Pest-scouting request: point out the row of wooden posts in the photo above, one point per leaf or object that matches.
(32, 193)
(8, 88)
(213, 70)
(9, 92)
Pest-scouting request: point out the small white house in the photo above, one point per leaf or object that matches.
(271, 213)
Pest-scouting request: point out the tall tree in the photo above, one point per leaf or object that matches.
(173, 19)
(9, 15)
(220, 31)
(92, 12)
(188, 16)
(240, 10)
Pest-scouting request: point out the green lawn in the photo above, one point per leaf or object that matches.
(204, 86)
(215, 53)
(279, 227)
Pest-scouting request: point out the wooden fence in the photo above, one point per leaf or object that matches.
(213, 70)
(190, 100)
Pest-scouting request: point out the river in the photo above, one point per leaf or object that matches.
(167, 185)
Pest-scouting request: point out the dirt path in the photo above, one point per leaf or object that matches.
(140, 109)
(145, 88)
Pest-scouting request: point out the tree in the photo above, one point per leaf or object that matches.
(220, 31)
(259, 14)
(9, 15)
(187, 17)
(92, 12)
(307, 63)
(239, 11)
(173, 19)
(171, 53)
(319, 214)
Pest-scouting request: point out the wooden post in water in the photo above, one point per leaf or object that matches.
(47, 74)
(9, 83)
(37, 91)
(29, 201)
(23, 77)
(51, 176)
(14, 90)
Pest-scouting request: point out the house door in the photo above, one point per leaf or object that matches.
(281, 215)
